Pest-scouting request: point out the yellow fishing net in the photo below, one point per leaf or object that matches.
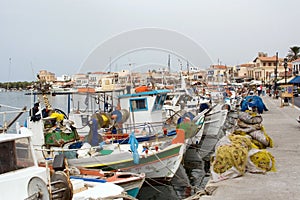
(239, 132)
(263, 160)
(271, 144)
(229, 156)
(243, 141)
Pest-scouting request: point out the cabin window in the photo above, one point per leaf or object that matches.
(138, 105)
(159, 101)
(15, 155)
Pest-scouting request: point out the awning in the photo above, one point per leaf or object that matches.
(295, 80)
(255, 82)
(288, 80)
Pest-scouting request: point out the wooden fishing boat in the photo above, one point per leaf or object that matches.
(157, 160)
(131, 182)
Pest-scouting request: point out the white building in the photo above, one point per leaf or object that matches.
(63, 78)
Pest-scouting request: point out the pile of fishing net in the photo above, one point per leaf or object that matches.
(250, 123)
(260, 161)
(230, 158)
(243, 150)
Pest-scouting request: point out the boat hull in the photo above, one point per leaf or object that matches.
(157, 165)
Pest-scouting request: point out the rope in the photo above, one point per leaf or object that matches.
(168, 167)
(153, 186)
(122, 195)
(160, 183)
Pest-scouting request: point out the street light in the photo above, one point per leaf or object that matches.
(275, 72)
(264, 76)
(285, 67)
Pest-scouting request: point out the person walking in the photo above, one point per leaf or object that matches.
(259, 89)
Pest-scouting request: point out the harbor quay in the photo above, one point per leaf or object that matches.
(281, 125)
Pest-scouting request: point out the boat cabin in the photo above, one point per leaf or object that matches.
(144, 108)
(18, 166)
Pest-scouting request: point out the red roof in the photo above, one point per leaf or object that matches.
(267, 59)
(219, 67)
(247, 65)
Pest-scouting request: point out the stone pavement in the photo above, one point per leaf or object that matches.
(281, 125)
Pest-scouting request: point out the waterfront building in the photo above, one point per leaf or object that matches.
(265, 68)
(296, 67)
(216, 73)
(46, 76)
(244, 72)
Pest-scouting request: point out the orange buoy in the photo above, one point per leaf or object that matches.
(142, 88)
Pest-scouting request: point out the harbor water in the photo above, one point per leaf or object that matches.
(190, 177)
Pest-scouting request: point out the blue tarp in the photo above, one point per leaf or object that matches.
(295, 80)
(253, 101)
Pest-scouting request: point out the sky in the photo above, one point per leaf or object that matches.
(59, 35)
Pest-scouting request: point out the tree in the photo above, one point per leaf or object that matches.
(294, 53)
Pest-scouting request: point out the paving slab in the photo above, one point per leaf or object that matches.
(281, 125)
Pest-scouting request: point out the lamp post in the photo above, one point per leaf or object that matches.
(264, 76)
(275, 72)
(285, 67)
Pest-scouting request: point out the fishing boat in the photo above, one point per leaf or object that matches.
(158, 159)
(19, 171)
(185, 99)
(158, 156)
(211, 132)
(131, 182)
(145, 111)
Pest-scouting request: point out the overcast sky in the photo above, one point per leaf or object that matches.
(58, 35)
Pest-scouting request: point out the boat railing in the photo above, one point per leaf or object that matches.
(8, 111)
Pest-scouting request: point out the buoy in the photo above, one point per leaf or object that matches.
(142, 88)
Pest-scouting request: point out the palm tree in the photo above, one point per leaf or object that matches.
(294, 53)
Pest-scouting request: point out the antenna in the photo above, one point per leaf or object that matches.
(169, 63)
(110, 64)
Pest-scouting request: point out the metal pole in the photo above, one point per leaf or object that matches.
(285, 76)
(276, 68)
(69, 104)
(285, 65)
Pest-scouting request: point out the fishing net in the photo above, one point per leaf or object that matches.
(242, 124)
(229, 162)
(261, 137)
(244, 141)
(250, 117)
(260, 161)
